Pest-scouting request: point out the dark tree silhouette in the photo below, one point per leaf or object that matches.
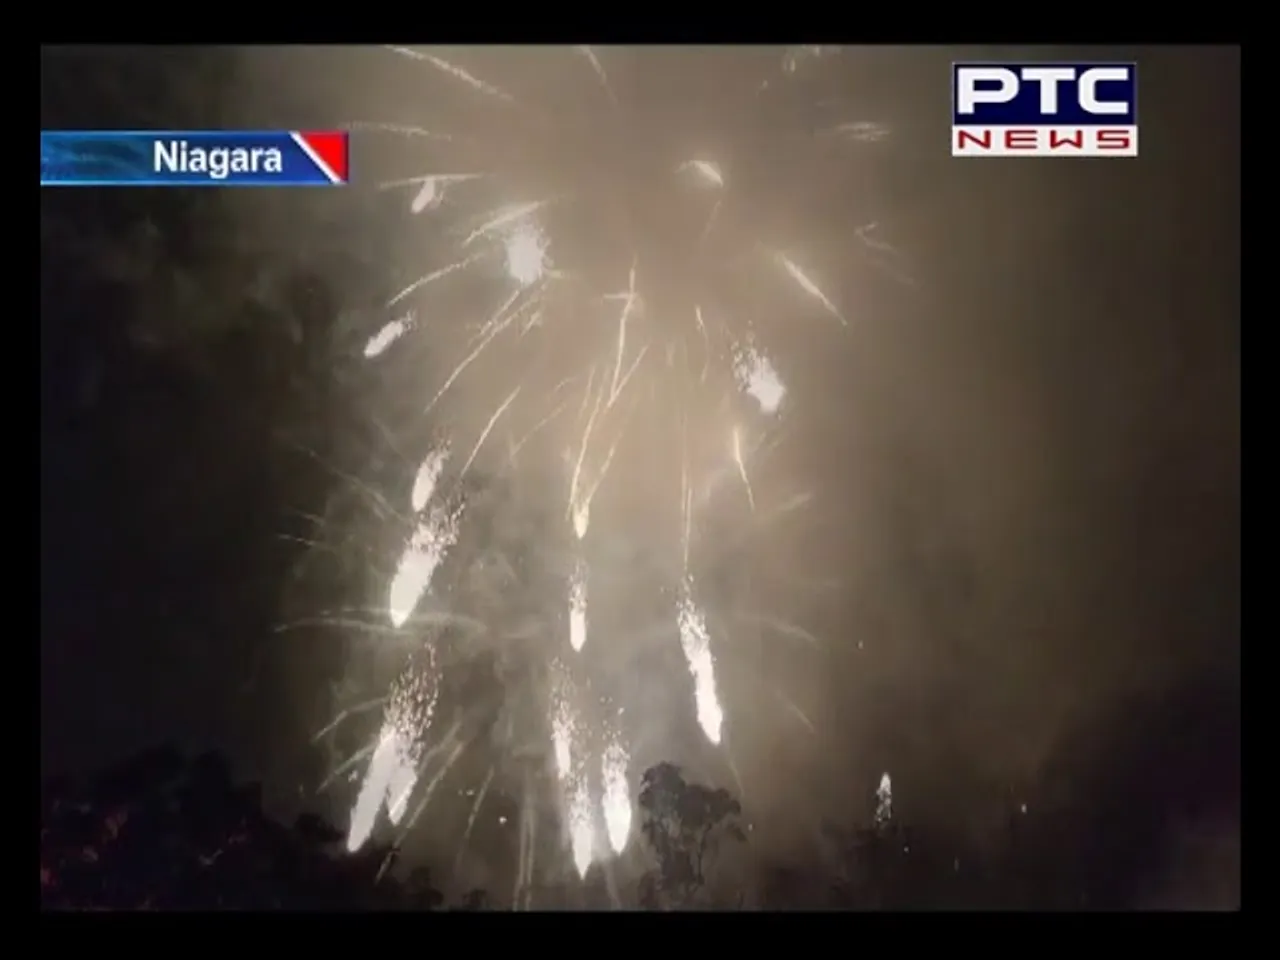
(161, 832)
(684, 824)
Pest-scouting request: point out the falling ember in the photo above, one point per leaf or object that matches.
(388, 335)
(758, 379)
(562, 737)
(578, 607)
(428, 196)
(581, 827)
(426, 549)
(525, 247)
(581, 519)
(617, 797)
(696, 643)
(706, 171)
(393, 770)
(387, 760)
(424, 484)
(884, 801)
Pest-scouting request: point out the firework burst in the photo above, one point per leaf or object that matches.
(623, 344)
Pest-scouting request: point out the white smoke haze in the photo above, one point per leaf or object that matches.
(642, 354)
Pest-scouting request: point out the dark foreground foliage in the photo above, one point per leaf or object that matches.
(161, 832)
(165, 832)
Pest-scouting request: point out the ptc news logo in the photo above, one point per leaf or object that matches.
(1044, 110)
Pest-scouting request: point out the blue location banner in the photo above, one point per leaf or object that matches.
(198, 158)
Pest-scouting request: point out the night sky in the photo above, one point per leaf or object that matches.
(1032, 458)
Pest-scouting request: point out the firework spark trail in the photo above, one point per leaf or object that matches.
(471, 818)
(742, 468)
(706, 171)
(522, 854)
(889, 258)
(590, 55)
(470, 359)
(578, 607)
(860, 131)
(505, 218)
(425, 551)
(581, 825)
(595, 487)
(757, 377)
(427, 618)
(393, 331)
(533, 431)
(400, 129)
(616, 801)
(695, 641)
(562, 738)
(455, 71)
(579, 510)
(522, 894)
(430, 789)
(348, 764)
(808, 286)
(531, 860)
(428, 477)
(629, 301)
(626, 377)
(793, 708)
(381, 506)
(488, 428)
(706, 343)
(430, 278)
(393, 771)
(355, 711)
(783, 627)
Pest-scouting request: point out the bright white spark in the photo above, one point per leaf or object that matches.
(809, 287)
(707, 172)
(431, 188)
(884, 800)
(388, 335)
(562, 737)
(393, 770)
(581, 826)
(757, 378)
(435, 534)
(582, 518)
(695, 641)
(578, 607)
(429, 196)
(526, 253)
(617, 796)
(424, 484)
